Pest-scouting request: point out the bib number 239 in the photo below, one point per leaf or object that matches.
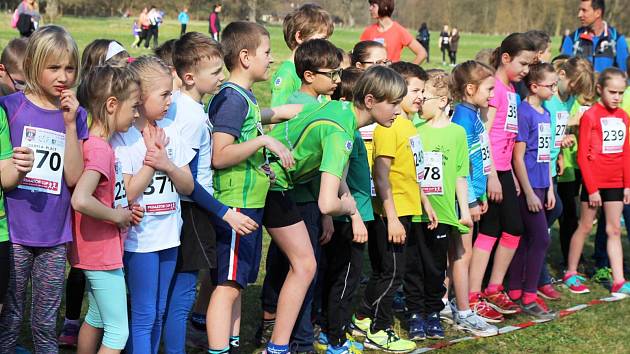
(613, 135)
(47, 172)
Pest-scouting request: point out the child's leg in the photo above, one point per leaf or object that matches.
(587, 216)
(5, 264)
(376, 246)
(75, 288)
(168, 260)
(413, 283)
(536, 247)
(489, 231)
(108, 310)
(613, 230)
(235, 334)
(180, 300)
(459, 255)
(47, 277)
(142, 274)
(203, 295)
(222, 304)
(276, 268)
(433, 245)
(21, 262)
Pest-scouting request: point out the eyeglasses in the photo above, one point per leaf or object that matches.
(19, 85)
(385, 62)
(332, 75)
(551, 87)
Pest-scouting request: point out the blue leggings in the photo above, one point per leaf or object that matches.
(180, 301)
(107, 296)
(149, 276)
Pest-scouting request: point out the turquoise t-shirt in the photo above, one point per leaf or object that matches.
(559, 113)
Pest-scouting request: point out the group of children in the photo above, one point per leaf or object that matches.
(452, 179)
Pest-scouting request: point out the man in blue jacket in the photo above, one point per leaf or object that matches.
(596, 41)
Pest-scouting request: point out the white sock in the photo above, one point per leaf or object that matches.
(464, 314)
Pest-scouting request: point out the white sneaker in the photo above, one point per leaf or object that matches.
(447, 313)
(475, 325)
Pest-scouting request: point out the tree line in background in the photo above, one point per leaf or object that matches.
(481, 16)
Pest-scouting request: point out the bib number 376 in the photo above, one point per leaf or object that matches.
(47, 172)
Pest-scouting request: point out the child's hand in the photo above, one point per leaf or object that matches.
(395, 231)
(157, 159)
(327, 229)
(123, 217)
(69, 106)
(287, 111)
(466, 220)
(568, 140)
(626, 195)
(359, 231)
(23, 159)
(285, 155)
(533, 202)
(475, 213)
(551, 199)
(495, 192)
(433, 219)
(137, 213)
(484, 206)
(241, 223)
(154, 136)
(595, 199)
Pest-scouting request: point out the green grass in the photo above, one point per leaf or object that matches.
(599, 329)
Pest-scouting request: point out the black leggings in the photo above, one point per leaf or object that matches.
(4, 269)
(453, 55)
(75, 287)
(504, 217)
(568, 221)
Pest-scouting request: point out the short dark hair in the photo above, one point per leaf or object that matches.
(385, 7)
(409, 70)
(537, 73)
(316, 54)
(192, 48)
(13, 54)
(308, 19)
(349, 78)
(541, 39)
(598, 5)
(165, 52)
(361, 51)
(239, 35)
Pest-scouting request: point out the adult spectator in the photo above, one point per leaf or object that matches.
(423, 37)
(390, 33)
(183, 19)
(214, 23)
(145, 24)
(453, 44)
(443, 44)
(154, 21)
(565, 35)
(26, 17)
(596, 41)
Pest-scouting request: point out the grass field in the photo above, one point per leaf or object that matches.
(596, 330)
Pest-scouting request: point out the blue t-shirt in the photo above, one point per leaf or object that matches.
(183, 18)
(530, 124)
(228, 109)
(467, 116)
(558, 113)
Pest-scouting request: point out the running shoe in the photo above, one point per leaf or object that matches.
(361, 326)
(446, 314)
(321, 344)
(501, 302)
(345, 348)
(69, 336)
(485, 311)
(475, 325)
(549, 292)
(434, 327)
(387, 340)
(417, 328)
(575, 284)
(263, 333)
(538, 309)
(621, 291)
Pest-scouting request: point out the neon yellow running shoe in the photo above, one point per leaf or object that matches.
(387, 340)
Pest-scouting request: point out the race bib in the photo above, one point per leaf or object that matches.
(367, 132)
(47, 172)
(120, 193)
(562, 119)
(372, 187)
(418, 156)
(161, 197)
(613, 135)
(511, 117)
(484, 140)
(544, 142)
(433, 176)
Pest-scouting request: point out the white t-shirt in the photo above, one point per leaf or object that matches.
(192, 124)
(155, 232)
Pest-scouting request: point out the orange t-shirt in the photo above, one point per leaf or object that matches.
(394, 39)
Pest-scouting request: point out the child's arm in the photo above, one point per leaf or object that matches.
(395, 230)
(329, 201)
(279, 114)
(227, 154)
(495, 191)
(461, 190)
(534, 204)
(13, 170)
(84, 202)
(73, 152)
(180, 176)
(551, 196)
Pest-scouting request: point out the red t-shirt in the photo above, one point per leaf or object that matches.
(98, 244)
(603, 154)
(394, 39)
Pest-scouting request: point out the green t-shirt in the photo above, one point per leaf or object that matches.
(625, 105)
(570, 154)
(556, 109)
(359, 180)
(244, 185)
(320, 138)
(449, 143)
(284, 82)
(6, 152)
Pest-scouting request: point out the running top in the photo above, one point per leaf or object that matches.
(394, 39)
(603, 154)
(505, 125)
(559, 113)
(534, 129)
(284, 82)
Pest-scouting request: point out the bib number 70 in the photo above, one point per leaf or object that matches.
(54, 159)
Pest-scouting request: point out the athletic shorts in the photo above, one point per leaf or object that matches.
(280, 210)
(504, 217)
(238, 257)
(198, 240)
(607, 194)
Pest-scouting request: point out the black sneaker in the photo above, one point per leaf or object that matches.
(539, 310)
(263, 333)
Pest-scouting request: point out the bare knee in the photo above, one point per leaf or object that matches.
(613, 230)
(305, 268)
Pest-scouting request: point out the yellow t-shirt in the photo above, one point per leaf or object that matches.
(395, 142)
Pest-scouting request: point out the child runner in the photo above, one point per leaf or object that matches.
(602, 150)
(46, 115)
(472, 84)
(397, 159)
(317, 64)
(532, 154)
(154, 162)
(502, 220)
(11, 69)
(309, 21)
(102, 211)
(445, 168)
(165, 53)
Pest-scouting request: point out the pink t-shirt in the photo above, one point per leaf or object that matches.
(98, 244)
(505, 126)
(394, 39)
